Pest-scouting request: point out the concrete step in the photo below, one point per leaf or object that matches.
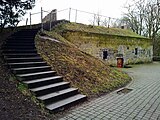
(16, 40)
(58, 95)
(31, 69)
(36, 75)
(19, 51)
(20, 55)
(29, 59)
(46, 89)
(26, 34)
(21, 38)
(26, 31)
(26, 64)
(20, 43)
(16, 47)
(66, 102)
(43, 81)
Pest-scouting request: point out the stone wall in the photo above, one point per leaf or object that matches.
(109, 47)
(51, 16)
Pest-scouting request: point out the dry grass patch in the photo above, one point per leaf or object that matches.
(89, 74)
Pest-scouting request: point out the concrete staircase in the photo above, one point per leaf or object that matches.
(22, 58)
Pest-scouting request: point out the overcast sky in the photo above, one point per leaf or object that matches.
(110, 8)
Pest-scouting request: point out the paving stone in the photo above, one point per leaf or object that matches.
(143, 102)
(107, 118)
(79, 119)
(62, 119)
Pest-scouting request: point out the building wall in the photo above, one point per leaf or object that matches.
(109, 47)
(52, 16)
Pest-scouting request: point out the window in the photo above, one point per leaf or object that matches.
(136, 51)
(105, 54)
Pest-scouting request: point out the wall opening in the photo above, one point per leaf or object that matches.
(136, 51)
(105, 54)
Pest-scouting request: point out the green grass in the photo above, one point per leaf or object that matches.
(83, 71)
(23, 88)
(25, 91)
(96, 29)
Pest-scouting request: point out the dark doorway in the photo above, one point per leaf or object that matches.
(136, 51)
(105, 54)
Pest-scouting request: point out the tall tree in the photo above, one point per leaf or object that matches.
(11, 11)
(143, 17)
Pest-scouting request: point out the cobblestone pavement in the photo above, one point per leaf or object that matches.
(142, 103)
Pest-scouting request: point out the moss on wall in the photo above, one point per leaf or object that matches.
(89, 74)
(95, 44)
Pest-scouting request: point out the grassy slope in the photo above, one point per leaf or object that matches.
(85, 72)
(97, 29)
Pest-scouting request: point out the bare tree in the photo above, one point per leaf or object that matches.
(135, 16)
(152, 18)
(143, 17)
(105, 22)
(98, 19)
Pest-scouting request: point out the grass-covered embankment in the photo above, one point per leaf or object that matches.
(96, 29)
(89, 74)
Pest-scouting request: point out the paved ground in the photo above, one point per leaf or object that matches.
(142, 103)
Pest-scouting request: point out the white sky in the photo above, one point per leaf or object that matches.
(110, 8)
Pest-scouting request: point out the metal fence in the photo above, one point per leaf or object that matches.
(80, 16)
(74, 15)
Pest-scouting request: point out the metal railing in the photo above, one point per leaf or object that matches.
(74, 15)
(93, 18)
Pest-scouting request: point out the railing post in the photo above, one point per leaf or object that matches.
(30, 18)
(69, 14)
(76, 16)
(50, 17)
(41, 19)
(109, 22)
(26, 22)
(94, 19)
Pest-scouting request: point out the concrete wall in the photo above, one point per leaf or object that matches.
(133, 50)
(51, 16)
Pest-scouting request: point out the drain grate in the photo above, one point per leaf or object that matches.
(124, 91)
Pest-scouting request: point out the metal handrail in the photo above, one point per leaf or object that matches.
(109, 20)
